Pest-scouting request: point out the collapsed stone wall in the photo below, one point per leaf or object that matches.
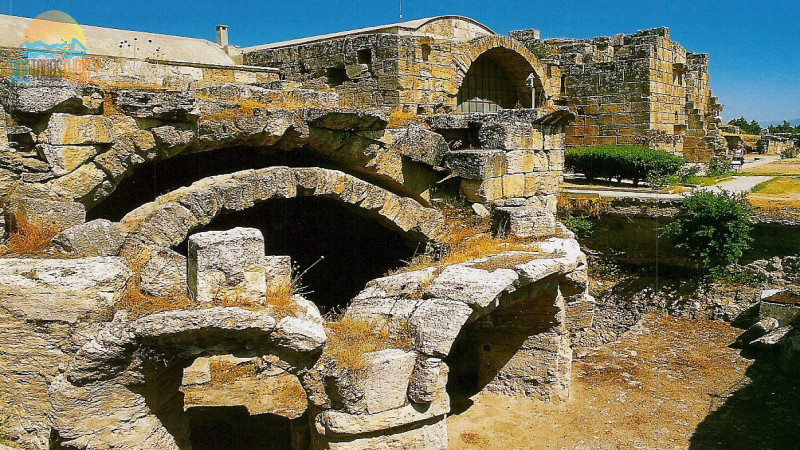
(116, 382)
(622, 85)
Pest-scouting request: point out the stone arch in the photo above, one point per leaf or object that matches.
(513, 57)
(134, 367)
(168, 220)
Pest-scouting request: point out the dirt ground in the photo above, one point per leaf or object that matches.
(668, 383)
(782, 167)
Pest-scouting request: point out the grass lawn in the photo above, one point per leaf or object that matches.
(778, 187)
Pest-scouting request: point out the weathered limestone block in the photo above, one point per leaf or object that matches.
(58, 214)
(180, 326)
(96, 238)
(87, 184)
(513, 185)
(346, 118)
(171, 140)
(64, 290)
(164, 274)
(477, 164)
(579, 313)
(227, 265)
(475, 287)
(165, 105)
(66, 129)
(300, 335)
(44, 95)
(482, 191)
(120, 159)
(407, 284)
(781, 305)
(104, 356)
(436, 322)
(523, 222)
(63, 159)
(757, 330)
(105, 415)
(773, 339)
(420, 144)
(278, 270)
(428, 436)
(381, 386)
(424, 380)
(31, 356)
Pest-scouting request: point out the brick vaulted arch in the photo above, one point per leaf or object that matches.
(513, 57)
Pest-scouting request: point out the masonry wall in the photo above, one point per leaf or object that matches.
(620, 86)
(412, 73)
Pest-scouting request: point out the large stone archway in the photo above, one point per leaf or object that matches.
(168, 220)
(513, 57)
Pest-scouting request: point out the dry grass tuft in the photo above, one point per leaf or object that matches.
(507, 261)
(471, 438)
(226, 372)
(28, 237)
(138, 304)
(279, 300)
(468, 237)
(350, 339)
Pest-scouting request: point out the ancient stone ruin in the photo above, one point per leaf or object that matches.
(183, 191)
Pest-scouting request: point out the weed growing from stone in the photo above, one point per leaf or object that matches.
(28, 237)
(351, 339)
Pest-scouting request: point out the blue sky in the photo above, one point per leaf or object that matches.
(754, 45)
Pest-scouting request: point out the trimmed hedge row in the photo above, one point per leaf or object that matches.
(622, 162)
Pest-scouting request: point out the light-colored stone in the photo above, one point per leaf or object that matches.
(523, 222)
(63, 159)
(66, 129)
(58, 214)
(96, 238)
(63, 290)
(424, 380)
(300, 335)
(164, 274)
(278, 270)
(227, 265)
(475, 287)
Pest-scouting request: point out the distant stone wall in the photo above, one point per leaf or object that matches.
(775, 145)
(418, 74)
(622, 85)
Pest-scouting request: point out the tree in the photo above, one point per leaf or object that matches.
(785, 127)
(751, 127)
(713, 227)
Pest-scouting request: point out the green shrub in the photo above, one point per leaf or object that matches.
(622, 162)
(789, 153)
(718, 167)
(713, 227)
(580, 225)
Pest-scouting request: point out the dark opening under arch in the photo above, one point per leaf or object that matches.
(356, 249)
(498, 79)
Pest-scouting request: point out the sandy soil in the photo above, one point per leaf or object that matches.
(668, 383)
